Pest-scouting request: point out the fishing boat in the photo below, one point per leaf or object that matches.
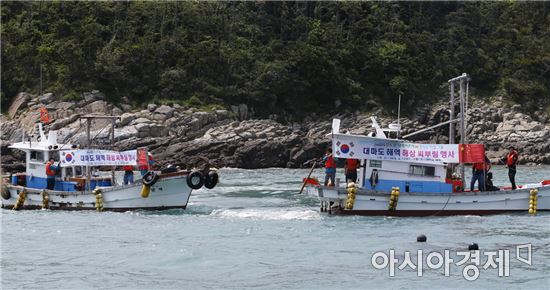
(80, 185)
(400, 178)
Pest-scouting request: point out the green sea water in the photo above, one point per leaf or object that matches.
(254, 231)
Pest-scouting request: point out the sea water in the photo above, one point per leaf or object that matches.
(254, 231)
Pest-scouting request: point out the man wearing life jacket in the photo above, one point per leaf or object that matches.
(330, 168)
(51, 171)
(128, 174)
(479, 172)
(149, 166)
(511, 161)
(351, 170)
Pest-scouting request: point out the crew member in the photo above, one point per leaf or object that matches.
(511, 160)
(128, 174)
(330, 168)
(147, 167)
(51, 171)
(479, 172)
(351, 170)
(489, 183)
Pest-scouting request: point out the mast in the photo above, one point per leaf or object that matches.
(89, 119)
(462, 79)
(398, 116)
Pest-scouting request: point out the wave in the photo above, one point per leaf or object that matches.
(267, 214)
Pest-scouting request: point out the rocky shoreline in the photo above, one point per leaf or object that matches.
(229, 138)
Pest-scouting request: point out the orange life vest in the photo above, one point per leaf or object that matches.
(330, 162)
(512, 158)
(49, 171)
(351, 164)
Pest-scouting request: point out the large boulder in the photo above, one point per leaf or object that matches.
(46, 98)
(18, 103)
(165, 110)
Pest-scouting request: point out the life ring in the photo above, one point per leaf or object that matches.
(211, 179)
(195, 180)
(5, 192)
(150, 178)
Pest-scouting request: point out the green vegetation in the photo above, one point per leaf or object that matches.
(277, 57)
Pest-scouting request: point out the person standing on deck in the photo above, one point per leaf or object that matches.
(145, 168)
(479, 173)
(351, 170)
(128, 174)
(330, 168)
(51, 171)
(511, 161)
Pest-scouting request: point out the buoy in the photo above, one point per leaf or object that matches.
(473, 247)
(20, 200)
(394, 198)
(421, 238)
(145, 190)
(352, 189)
(98, 199)
(533, 196)
(45, 200)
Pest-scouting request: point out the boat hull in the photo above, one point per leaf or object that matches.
(166, 193)
(375, 203)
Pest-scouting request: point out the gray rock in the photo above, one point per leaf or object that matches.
(140, 121)
(98, 107)
(89, 97)
(116, 111)
(165, 110)
(64, 105)
(20, 102)
(151, 107)
(126, 118)
(46, 98)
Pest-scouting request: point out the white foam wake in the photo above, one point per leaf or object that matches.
(267, 214)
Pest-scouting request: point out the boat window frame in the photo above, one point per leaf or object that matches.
(421, 170)
(374, 163)
(37, 153)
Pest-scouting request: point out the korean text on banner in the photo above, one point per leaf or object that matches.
(361, 147)
(97, 158)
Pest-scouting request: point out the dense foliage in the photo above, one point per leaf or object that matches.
(277, 56)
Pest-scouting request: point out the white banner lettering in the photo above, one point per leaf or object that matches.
(362, 147)
(97, 158)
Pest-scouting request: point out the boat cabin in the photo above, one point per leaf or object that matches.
(37, 154)
(409, 176)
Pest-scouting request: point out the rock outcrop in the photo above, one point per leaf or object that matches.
(179, 135)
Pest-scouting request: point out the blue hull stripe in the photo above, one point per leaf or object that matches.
(412, 186)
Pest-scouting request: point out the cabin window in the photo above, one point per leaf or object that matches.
(37, 156)
(54, 155)
(68, 171)
(375, 163)
(422, 170)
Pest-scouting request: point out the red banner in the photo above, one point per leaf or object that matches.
(471, 153)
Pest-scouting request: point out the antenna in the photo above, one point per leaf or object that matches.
(398, 116)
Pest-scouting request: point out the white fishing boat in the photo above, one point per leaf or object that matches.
(80, 186)
(399, 178)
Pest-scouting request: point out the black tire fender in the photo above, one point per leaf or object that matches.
(195, 180)
(150, 178)
(211, 179)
